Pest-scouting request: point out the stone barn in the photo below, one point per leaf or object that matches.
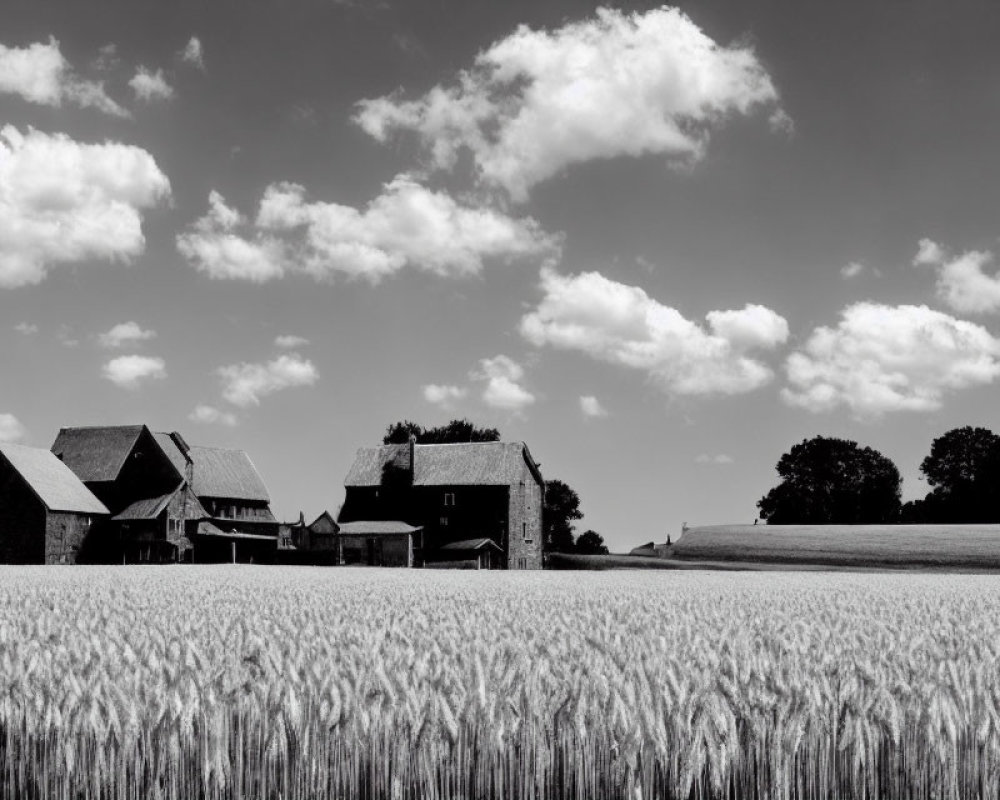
(46, 513)
(456, 493)
(170, 501)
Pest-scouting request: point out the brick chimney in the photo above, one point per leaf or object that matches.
(413, 458)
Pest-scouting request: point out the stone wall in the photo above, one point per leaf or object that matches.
(524, 549)
(65, 537)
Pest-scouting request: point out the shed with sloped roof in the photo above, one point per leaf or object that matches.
(46, 512)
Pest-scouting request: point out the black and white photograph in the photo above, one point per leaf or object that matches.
(499, 400)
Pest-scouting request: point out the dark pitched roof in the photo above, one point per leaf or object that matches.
(170, 449)
(147, 508)
(55, 484)
(376, 527)
(227, 474)
(467, 545)
(96, 454)
(468, 464)
(208, 529)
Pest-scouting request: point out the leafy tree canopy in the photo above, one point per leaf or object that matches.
(591, 543)
(562, 506)
(458, 430)
(963, 469)
(833, 481)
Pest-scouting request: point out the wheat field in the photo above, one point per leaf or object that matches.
(239, 682)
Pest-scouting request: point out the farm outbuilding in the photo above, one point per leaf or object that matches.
(170, 501)
(46, 513)
(455, 493)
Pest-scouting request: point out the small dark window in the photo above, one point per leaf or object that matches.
(444, 522)
(449, 498)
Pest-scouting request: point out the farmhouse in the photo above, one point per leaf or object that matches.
(46, 513)
(466, 499)
(371, 543)
(170, 501)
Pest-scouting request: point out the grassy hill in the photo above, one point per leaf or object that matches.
(898, 546)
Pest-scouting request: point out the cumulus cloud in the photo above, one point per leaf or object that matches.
(502, 376)
(623, 325)
(40, 74)
(443, 395)
(62, 201)
(852, 270)
(11, 430)
(131, 371)
(192, 53)
(124, 333)
(881, 359)
(406, 225)
(290, 342)
(26, 328)
(962, 282)
(209, 415)
(614, 85)
(214, 246)
(590, 406)
(149, 86)
(245, 384)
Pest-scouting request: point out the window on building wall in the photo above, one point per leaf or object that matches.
(449, 498)
(444, 522)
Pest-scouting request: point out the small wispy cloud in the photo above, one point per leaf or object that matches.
(210, 415)
(193, 53)
(129, 372)
(26, 328)
(11, 429)
(719, 460)
(503, 390)
(124, 333)
(245, 384)
(149, 86)
(443, 396)
(591, 407)
(290, 341)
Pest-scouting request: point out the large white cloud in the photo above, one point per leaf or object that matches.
(11, 429)
(623, 325)
(880, 359)
(245, 384)
(62, 201)
(502, 377)
(40, 74)
(961, 282)
(615, 85)
(130, 372)
(406, 225)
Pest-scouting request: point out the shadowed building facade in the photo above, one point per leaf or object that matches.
(170, 501)
(458, 495)
(47, 515)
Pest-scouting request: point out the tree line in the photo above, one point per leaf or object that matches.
(837, 481)
(561, 506)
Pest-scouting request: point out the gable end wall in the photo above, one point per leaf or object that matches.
(524, 550)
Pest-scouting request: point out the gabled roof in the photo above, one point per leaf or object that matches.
(54, 483)
(468, 545)
(465, 464)
(170, 449)
(96, 454)
(147, 508)
(227, 474)
(375, 527)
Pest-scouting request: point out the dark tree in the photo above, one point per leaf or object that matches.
(833, 481)
(561, 507)
(591, 543)
(399, 432)
(963, 470)
(458, 430)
